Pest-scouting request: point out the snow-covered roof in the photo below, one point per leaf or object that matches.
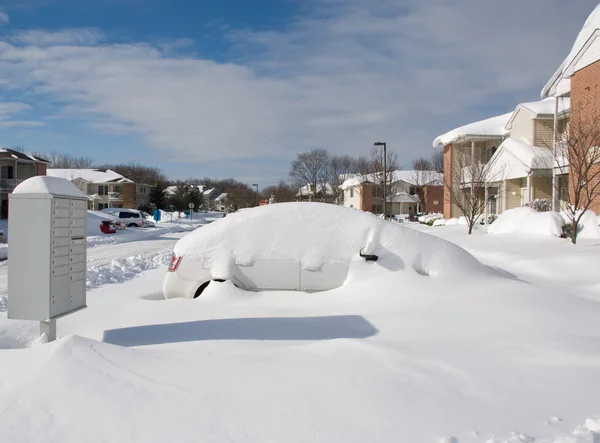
(415, 178)
(209, 191)
(221, 197)
(403, 197)
(22, 155)
(306, 190)
(490, 128)
(559, 83)
(89, 175)
(49, 185)
(516, 159)
(542, 108)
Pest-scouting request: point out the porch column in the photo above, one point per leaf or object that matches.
(485, 202)
(555, 203)
(528, 188)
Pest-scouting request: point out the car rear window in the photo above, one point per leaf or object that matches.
(124, 215)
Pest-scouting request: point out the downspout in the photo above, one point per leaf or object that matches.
(555, 156)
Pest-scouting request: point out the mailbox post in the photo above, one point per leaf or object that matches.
(48, 250)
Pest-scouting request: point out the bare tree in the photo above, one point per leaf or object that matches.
(465, 187)
(138, 173)
(68, 161)
(371, 169)
(310, 168)
(422, 173)
(577, 153)
(437, 161)
(282, 192)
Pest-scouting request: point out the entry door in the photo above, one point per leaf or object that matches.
(524, 197)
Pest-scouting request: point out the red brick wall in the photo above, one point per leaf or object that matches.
(41, 169)
(447, 181)
(434, 198)
(366, 197)
(585, 104)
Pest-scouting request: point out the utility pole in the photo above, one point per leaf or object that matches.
(255, 195)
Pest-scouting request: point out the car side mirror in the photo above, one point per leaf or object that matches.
(368, 257)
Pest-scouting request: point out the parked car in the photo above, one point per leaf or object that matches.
(306, 247)
(129, 217)
(107, 227)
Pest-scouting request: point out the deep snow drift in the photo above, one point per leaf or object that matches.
(465, 357)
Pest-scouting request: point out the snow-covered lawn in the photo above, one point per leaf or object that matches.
(411, 358)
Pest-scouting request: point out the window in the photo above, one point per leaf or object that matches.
(124, 215)
(117, 189)
(377, 209)
(351, 192)
(102, 206)
(491, 152)
(103, 190)
(7, 172)
(134, 215)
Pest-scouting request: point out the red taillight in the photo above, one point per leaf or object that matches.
(175, 261)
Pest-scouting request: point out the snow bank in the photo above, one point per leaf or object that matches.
(440, 222)
(317, 233)
(588, 225)
(527, 221)
(452, 222)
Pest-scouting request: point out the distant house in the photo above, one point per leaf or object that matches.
(211, 194)
(322, 192)
(406, 193)
(221, 202)
(106, 188)
(14, 168)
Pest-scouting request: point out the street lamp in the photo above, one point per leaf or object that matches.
(384, 173)
(256, 195)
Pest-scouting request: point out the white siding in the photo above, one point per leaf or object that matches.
(352, 198)
(522, 126)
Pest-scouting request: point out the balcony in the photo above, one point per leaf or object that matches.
(112, 196)
(9, 184)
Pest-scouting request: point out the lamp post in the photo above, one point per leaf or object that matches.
(384, 174)
(255, 195)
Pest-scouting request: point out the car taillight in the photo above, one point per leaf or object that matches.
(175, 261)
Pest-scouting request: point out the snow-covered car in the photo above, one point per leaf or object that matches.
(131, 218)
(302, 247)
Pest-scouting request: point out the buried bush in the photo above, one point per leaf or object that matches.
(431, 221)
(567, 230)
(540, 204)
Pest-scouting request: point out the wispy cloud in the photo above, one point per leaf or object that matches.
(4, 18)
(9, 109)
(345, 74)
(87, 36)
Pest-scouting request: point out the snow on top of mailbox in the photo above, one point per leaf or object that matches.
(49, 185)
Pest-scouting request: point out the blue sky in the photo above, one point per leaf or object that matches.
(233, 88)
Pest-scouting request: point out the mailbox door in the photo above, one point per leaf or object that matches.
(69, 244)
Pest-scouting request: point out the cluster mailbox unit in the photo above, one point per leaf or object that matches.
(48, 242)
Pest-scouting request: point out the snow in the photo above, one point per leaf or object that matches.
(506, 355)
(420, 178)
(591, 25)
(491, 127)
(546, 106)
(527, 221)
(49, 185)
(89, 175)
(588, 224)
(440, 222)
(517, 159)
(330, 233)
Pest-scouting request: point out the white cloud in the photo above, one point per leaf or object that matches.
(9, 109)
(86, 36)
(351, 72)
(4, 18)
